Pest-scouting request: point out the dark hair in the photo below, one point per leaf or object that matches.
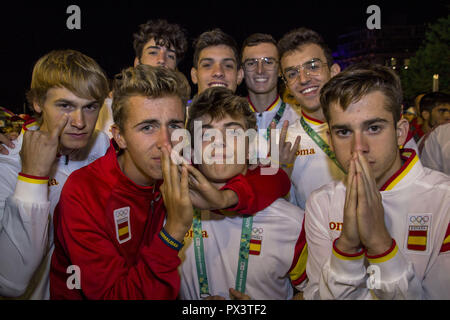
(218, 102)
(211, 38)
(298, 37)
(433, 99)
(257, 38)
(358, 80)
(164, 34)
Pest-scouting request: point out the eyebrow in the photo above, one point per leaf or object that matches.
(154, 121)
(212, 60)
(233, 123)
(226, 125)
(364, 124)
(159, 48)
(73, 103)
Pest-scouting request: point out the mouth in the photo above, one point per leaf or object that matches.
(217, 84)
(310, 90)
(77, 135)
(261, 80)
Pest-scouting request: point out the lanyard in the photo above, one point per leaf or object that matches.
(276, 118)
(241, 275)
(319, 141)
(200, 254)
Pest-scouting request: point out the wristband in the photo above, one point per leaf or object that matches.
(32, 179)
(283, 165)
(385, 256)
(168, 240)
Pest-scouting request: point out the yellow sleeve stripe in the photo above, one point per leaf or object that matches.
(384, 258)
(446, 240)
(32, 180)
(342, 257)
(300, 267)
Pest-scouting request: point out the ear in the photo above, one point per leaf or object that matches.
(117, 135)
(335, 69)
(426, 115)
(136, 61)
(194, 75)
(402, 131)
(37, 108)
(240, 76)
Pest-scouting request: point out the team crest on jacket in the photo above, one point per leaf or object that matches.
(418, 232)
(122, 223)
(256, 241)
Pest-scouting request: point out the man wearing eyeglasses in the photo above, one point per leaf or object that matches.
(260, 60)
(306, 65)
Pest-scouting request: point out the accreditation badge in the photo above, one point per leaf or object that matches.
(418, 233)
(122, 223)
(256, 241)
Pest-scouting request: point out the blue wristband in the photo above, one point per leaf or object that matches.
(171, 242)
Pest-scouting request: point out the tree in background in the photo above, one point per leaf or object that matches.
(433, 57)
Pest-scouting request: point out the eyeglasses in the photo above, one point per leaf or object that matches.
(267, 63)
(310, 69)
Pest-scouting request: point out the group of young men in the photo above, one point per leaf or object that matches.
(350, 214)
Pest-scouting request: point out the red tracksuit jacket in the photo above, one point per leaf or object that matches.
(104, 225)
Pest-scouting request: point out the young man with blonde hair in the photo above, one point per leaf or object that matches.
(111, 220)
(67, 92)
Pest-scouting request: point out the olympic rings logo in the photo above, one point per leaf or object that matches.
(257, 230)
(419, 219)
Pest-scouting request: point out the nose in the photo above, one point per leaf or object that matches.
(218, 71)
(360, 143)
(77, 119)
(161, 59)
(304, 77)
(259, 68)
(163, 137)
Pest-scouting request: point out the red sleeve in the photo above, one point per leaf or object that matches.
(81, 240)
(256, 191)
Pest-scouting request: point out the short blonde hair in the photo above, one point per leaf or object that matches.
(69, 69)
(147, 81)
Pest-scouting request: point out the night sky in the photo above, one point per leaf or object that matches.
(31, 29)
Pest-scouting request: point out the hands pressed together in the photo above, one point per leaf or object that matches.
(363, 225)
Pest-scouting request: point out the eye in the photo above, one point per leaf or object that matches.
(343, 132)
(234, 132)
(291, 74)
(92, 107)
(172, 57)
(250, 63)
(374, 129)
(148, 128)
(175, 126)
(64, 105)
